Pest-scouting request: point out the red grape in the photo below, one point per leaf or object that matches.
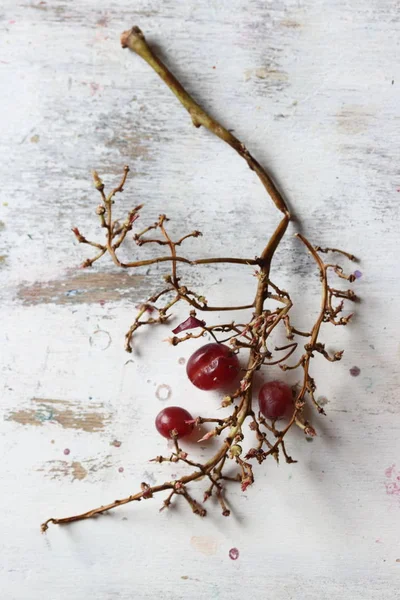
(174, 418)
(274, 398)
(212, 367)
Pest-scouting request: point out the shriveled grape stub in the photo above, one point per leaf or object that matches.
(245, 434)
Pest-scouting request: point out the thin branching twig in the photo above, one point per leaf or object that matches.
(253, 336)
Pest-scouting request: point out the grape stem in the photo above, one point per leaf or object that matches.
(253, 335)
(135, 41)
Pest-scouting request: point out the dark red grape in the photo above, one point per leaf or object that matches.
(212, 367)
(173, 418)
(274, 399)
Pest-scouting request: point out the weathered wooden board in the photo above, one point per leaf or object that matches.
(311, 87)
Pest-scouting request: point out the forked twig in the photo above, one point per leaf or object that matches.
(253, 336)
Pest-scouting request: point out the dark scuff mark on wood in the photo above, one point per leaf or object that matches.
(37, 6)
(86, 287)
(70, 415)
(56, 12)
(133, 144)
(103, 20)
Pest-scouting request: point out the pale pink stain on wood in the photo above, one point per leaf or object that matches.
(205, 544)
(393, 485)
(389, 471)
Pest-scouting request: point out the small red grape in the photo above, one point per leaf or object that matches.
(212, 367)
(174, 418)
(274, 398)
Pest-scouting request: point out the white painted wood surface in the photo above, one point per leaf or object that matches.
(311, 87)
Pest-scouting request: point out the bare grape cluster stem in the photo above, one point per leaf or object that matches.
(253, 336)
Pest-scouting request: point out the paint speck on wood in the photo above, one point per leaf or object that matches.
(234, 553)
(355, 371)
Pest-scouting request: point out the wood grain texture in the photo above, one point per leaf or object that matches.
(312, 88)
